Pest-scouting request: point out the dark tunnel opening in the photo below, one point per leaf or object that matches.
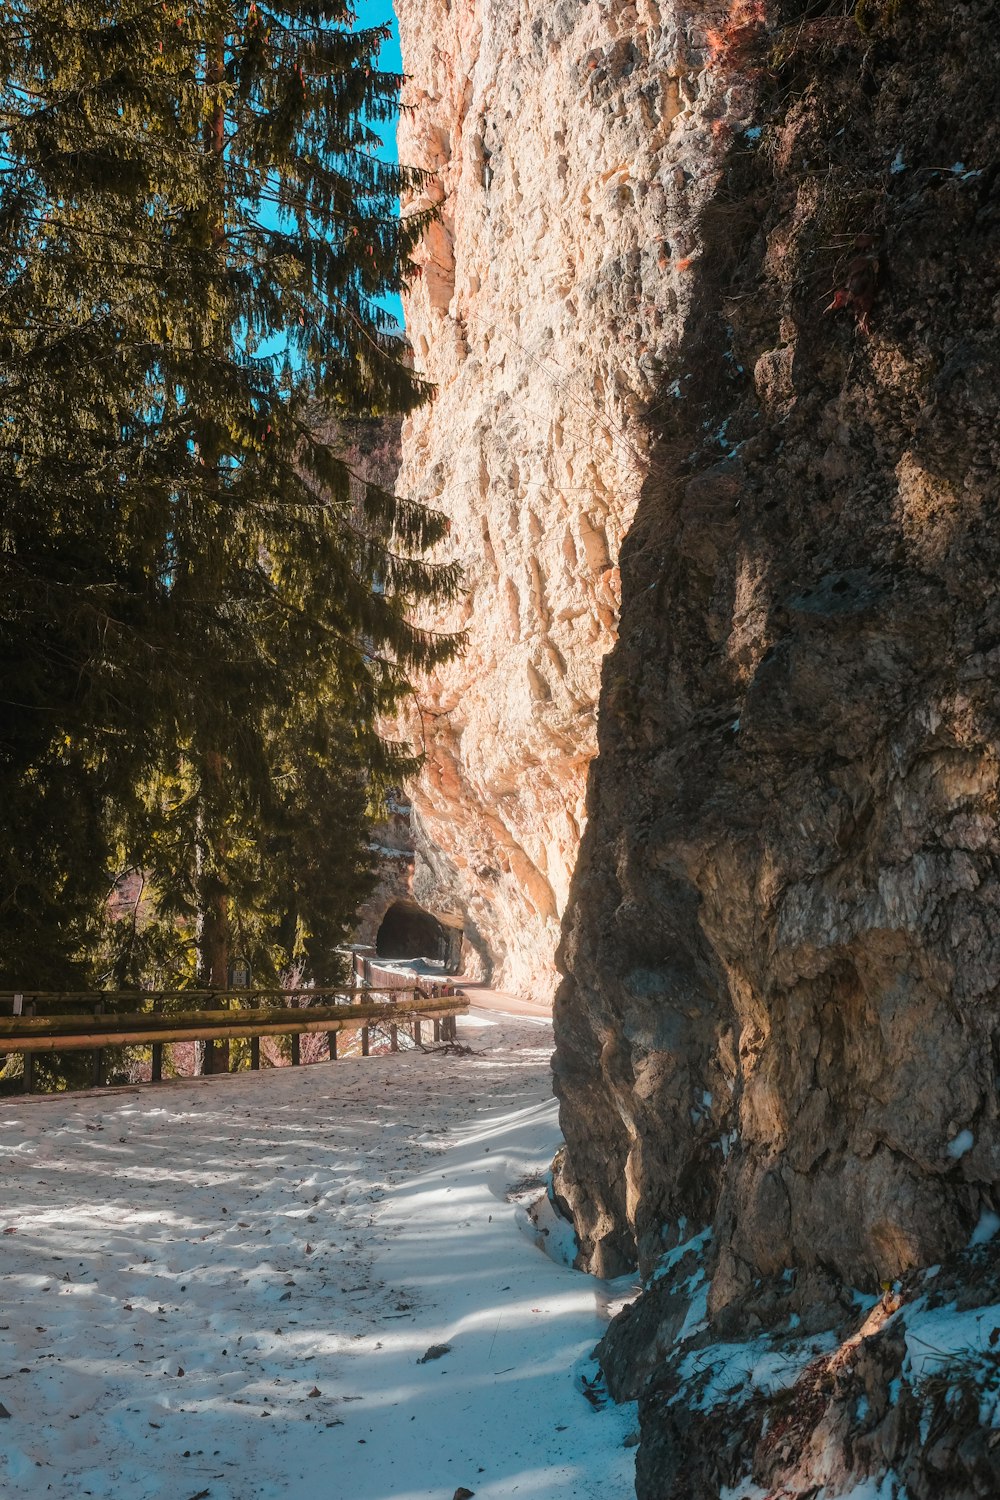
(407, 931)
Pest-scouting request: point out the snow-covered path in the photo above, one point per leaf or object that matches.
(222, 1288)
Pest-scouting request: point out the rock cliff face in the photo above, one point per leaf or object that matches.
(715, 299)
(778, 1038)
(571, 150)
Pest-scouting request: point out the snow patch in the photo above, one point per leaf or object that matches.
(696, 1245)
(962, 1143)
(225, 1285)
(936, 1336)
(986, 1229)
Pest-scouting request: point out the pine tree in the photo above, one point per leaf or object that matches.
(205, 615)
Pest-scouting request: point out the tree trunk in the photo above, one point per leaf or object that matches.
(214, 934)
(214, 939)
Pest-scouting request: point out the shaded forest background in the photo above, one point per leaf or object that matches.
(206, 610)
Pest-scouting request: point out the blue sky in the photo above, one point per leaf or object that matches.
(373, 13)
(370, 13)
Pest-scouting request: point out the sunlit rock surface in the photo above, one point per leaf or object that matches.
(570, 151)
(715, 300)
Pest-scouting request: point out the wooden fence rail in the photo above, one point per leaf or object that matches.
(142, 1000)
(155, 1018)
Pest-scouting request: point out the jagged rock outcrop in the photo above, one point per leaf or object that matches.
(571, 148)
(905, 1394)
(779, 1023)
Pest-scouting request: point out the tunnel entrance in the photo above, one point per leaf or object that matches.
(408, 931)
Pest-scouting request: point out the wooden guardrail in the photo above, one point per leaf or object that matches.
(93, 1020)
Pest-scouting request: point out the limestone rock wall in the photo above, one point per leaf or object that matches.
(392, 840)
(782, 957)
(779, 1032)
(571, 147)
(713, 307)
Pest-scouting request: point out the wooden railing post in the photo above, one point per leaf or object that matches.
(393, 1038)
(437, 1029)
(416, 1031)
(364, 1041)
(296, 1049)
(99, 1074)
(331, 1042)
(156, 1069)
(29, 1057)
(255, 1053)
(208, 1066)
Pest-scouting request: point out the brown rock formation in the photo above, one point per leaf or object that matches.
(714, 299)
(782, 923)
(392, 839)
(571, 150)
(890, 1398)
(779, 1020)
